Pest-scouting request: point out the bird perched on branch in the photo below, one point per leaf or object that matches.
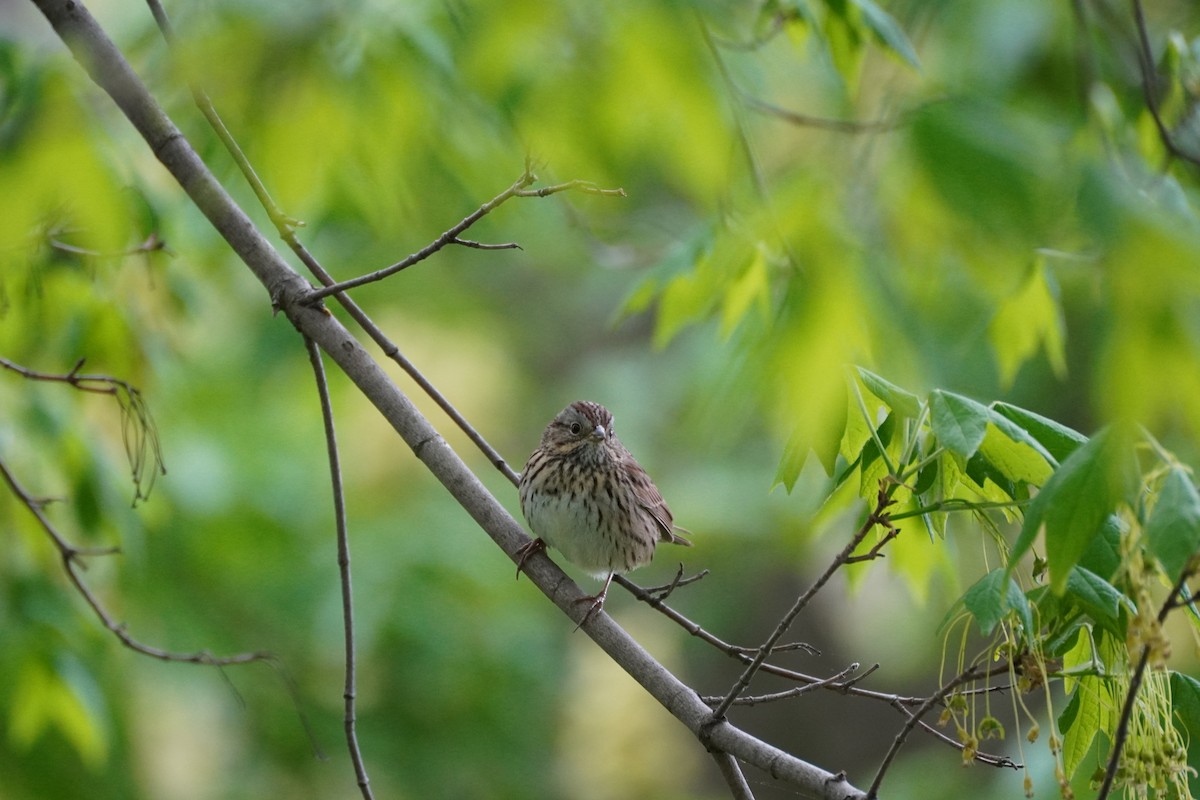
(586, 496)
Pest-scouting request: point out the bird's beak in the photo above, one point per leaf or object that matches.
(599, 434)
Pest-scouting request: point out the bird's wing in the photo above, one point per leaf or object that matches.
(650, 499)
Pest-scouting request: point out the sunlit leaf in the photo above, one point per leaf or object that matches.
(750, 290)
(899, 400)
(920, 560)
(1026, 321)
(1059, 440)
(1016, 460)
(1090, 711)
(45, 701)
(811, 352)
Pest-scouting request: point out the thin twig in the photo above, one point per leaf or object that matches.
(1145, 56)
(883, 500)
(486, 246)
(884, 521)
(286, 226)
(697, 630)
(787, 694)
(451, 235)
(769, 33)
(667, 589)
(969, 674)
(70, 555)
(343, 559)
(138, 431)
(150, 245)
(205, 104)
(743, 135)
(822, 123)
(981, 757)
(1135, 685)
(901, 703)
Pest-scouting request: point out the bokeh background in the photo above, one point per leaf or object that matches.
(1004, 224)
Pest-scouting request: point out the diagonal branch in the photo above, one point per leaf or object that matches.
(286, 225)
(70, 555)
(901, 703)
(290, 293)
(878, 516)
(1135, 682)
(969, 674)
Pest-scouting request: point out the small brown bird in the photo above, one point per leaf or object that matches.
(584, 494)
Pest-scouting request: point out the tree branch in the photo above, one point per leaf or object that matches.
(731, 771)
(343, 559)
(877, 516)
(1145, 57)
(290, 293)
(969, 674)
(138, 431)
(452, 234)
(1135, 683)
(821, 123)
(70, 555)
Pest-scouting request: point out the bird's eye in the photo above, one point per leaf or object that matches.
(575, 428)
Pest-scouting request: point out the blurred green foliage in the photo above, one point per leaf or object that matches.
(999, 219)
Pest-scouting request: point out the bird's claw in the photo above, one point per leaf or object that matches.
(528, 549)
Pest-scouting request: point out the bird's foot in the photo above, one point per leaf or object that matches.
(596, 600)
(528, 549)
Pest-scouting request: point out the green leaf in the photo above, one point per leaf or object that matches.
(1173, 529)
(1016, 460)
(992, 597)
(1059, 440)
(888, 31)
(978, 156)
(1018, 434)
(959, 423)
(883, 434)
(794, 455)
(1025, 321)
(751, 288)
(843, 41)
(903, 402)
(828, 437)
(1076, 501)
(1096, 596)
(1185, 703)
(1019, 603)
(1103, 555)
(1088, 713)
(44, 701)
(984, 472)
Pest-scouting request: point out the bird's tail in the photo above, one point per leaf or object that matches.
(674, 538)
